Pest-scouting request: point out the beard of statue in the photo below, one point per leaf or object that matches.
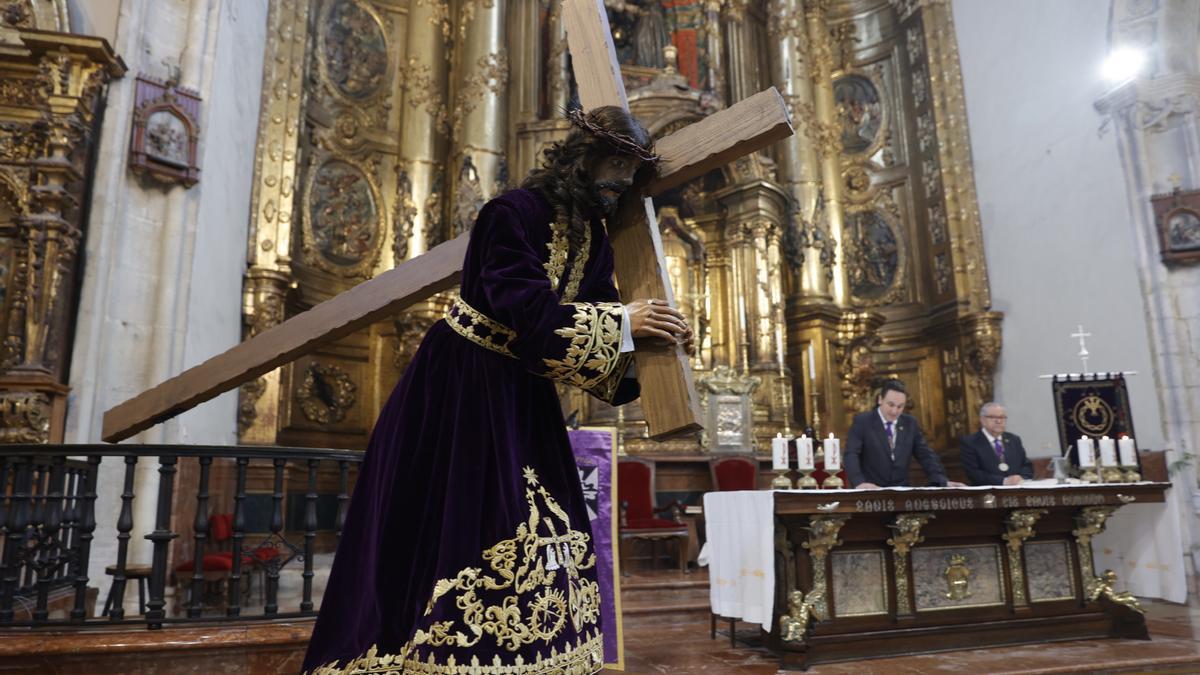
(567, 177)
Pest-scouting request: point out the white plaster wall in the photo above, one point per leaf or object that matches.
(163, 268)
(1052, 194)
(95, 17)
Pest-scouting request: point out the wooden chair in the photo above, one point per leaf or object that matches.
(733, 472)
(640, 517)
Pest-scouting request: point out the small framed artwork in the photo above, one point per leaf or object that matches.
(1177, 215)
(166, 132)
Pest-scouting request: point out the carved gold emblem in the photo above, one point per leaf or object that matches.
(958, 577)
(1093, 415)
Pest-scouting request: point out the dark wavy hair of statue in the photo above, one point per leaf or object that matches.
(565, 176)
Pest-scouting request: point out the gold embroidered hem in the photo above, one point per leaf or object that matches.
(480, 329)
(585, 658)
(595, 345)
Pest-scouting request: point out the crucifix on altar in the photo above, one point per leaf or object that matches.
(668, 395)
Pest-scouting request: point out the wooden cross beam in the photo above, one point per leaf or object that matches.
(668, 397)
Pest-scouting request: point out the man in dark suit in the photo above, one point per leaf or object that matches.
(883, 440)
(991, 455)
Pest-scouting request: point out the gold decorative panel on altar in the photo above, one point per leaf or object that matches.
(1048, 569)
(952, 577)
(860, 585)
(854, 245)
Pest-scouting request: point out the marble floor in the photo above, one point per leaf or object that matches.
(678, 643)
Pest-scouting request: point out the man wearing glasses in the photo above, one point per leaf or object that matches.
(992, 456)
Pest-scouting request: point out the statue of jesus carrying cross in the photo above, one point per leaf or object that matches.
(444, 557)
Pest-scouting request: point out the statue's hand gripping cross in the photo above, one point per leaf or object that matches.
(668, 396)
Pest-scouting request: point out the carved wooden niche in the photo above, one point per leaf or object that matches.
(166, 132)
(1177, 214)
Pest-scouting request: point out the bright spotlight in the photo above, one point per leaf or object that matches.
(1123, 64)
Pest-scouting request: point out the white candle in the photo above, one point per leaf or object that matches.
(779, 453)
(1108, 452)
(812, 364)
(1087, 452)
(1128, 451)
(833, 454)
(804, 454)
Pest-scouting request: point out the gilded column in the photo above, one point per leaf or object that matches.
(822, 538)
(798, 157)
(271, 206)
(558, 87)
(1089, 523)
(739, 48)
(1020, 527)
(820, 128)
(906, 534)
(479, 117)
(423, 128)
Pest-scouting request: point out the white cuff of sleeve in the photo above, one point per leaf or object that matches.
(626, 331)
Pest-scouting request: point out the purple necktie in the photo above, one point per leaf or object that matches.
(999, 449)
(891, 441)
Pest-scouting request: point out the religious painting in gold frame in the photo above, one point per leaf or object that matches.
(1177, 215)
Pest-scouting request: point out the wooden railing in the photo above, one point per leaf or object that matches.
(48, 498)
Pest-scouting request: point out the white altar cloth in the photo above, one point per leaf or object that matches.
(1140, 543)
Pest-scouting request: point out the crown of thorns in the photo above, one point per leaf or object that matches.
(622, 142)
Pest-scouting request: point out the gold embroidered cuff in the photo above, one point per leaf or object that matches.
(595, 345)
(483, 331)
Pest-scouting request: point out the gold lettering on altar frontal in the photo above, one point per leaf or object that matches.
(961, 503)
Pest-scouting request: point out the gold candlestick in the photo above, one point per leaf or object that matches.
(1132, 475)
(807, 482)
(781, 482)
(1089, 475)
(832, 482)
(1111, 474)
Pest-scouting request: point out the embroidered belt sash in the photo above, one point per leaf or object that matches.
(479, 328)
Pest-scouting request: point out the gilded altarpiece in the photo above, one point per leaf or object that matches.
(387, 123)
(52, 85)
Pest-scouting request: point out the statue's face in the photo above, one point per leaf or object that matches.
(611, 177)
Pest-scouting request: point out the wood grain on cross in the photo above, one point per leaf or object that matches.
(668, 397)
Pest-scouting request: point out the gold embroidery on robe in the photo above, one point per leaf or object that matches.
(559, 247)
(606, 389)
(585, 657)
(595, 345)
(527, 566)
(466, 320)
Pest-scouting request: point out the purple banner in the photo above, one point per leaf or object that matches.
(595, 456)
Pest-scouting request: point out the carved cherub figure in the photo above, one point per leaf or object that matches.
(802, 609)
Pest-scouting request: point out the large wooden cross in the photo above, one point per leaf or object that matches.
(668, 396)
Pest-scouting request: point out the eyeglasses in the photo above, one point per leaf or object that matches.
(995, 417)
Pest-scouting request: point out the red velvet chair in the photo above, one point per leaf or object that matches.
(640, 517)
(733, 472)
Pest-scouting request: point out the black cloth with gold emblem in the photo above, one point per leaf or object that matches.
(1092, 405)
(467, 546)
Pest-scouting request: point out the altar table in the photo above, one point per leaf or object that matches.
(835, 575)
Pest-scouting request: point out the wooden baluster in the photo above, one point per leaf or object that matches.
(87, 525)
(48, 561)
(343, 497)
(70, 524)
(37, 499)
(124, 526)
(161, 536)
(200, 525)
(14, 540)
(272, 606)
(239, 532)
(310, 533)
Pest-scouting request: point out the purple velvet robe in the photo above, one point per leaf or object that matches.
(467, 539)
